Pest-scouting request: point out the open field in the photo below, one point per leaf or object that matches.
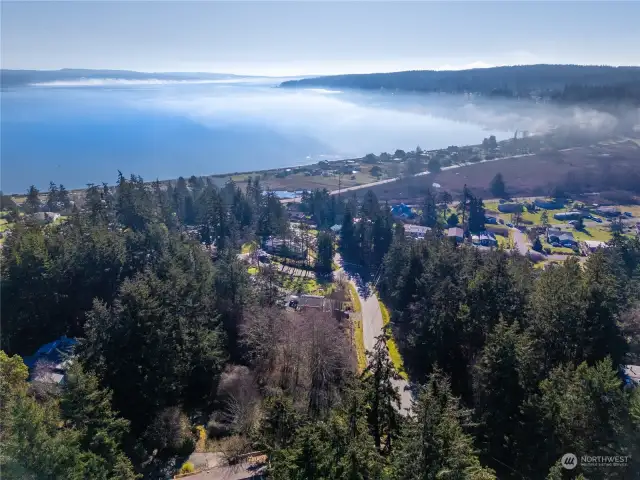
(595, 168)
(299, 181)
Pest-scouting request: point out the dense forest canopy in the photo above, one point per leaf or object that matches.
(178, 346)
(570, 83)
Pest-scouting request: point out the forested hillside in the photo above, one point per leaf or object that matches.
(180, 349)
(568, 83)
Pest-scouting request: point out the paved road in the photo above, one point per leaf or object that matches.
(520, 240)
(242, 472)
(371, 328)
(390, 180)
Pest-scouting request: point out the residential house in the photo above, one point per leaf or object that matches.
(279, 246)
(631, 375)
(50, 362)
(416, 231)
(593, 245)
(555, 235)
(456, 233)
(336, 228)
(510, 207)
(305, 302)
(486, 239)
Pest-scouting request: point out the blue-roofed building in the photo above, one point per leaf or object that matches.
(402, 210)
(55, 355)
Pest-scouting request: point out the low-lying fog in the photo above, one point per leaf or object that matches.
(79, 132)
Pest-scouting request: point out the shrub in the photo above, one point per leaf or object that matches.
(170, 433)
(187, 467)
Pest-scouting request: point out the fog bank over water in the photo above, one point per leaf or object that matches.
(85, 131)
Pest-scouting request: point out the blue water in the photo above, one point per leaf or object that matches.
(79, 134)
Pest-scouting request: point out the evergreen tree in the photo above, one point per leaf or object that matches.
(87, 409)
(429, 210)
(499, 392)
(544, 219)
(453, 220)
(348, 241)
(53, 197)
(435, 444)
(32, 202)
(324, 258)
(580, 410)
(498, 187)
(383, 397)
(476, 214)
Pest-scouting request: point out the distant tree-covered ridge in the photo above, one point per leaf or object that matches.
(576, 83)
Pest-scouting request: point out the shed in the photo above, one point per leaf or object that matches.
(457, 233)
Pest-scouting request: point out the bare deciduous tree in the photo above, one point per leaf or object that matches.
(242, 399)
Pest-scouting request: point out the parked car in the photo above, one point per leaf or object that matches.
(556, 244)
(599, 220)
(628, 214)
(510, 225)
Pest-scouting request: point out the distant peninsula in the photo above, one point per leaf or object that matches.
(13, 78)
(566, 83)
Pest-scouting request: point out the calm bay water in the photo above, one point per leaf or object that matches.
(78, 133)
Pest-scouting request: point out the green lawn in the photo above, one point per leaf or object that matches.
(491, 206)
(558, 250)
(355, 300)
(504, 242)
(306, 285)
(594, 233)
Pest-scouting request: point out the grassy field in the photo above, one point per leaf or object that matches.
(306, 285)
(394, 354)
(600, 234)
(524, 176)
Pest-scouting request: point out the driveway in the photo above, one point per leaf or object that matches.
(520, 240)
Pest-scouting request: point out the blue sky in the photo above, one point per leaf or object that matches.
(304, 37)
